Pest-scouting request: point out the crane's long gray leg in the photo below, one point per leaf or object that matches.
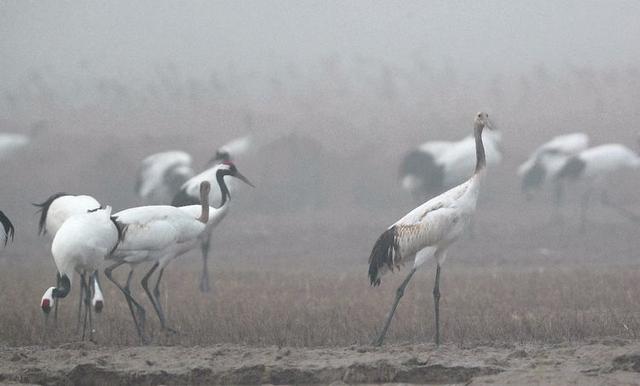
(584, 205)
(87, 308)
(399, 294)
(130, 300)
(436, 302)
(154, 300)
(156, 294)
(82, 293)
(55, 306)
(204, 277)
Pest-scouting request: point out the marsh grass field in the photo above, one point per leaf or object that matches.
(282, 315)
(275, 294)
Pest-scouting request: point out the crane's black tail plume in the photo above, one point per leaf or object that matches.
(122, 231)
(9, 230)
(44, 209)
(384, 255)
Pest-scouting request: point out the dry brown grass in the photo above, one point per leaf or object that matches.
(329, 308)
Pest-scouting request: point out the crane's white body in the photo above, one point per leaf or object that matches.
(216, 215)
(592, 169)
(157, 233)
(83, 241)
(429, 229)
(64, 207)
(601, 161)
(10, 143)
(552, 155)
(161, 175)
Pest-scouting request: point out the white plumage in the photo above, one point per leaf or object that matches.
(160, 233)
(81, 244)
(545, 162)
(54, 211)
(594, 167)
(428, 230)
(162, 174)
(436, 166)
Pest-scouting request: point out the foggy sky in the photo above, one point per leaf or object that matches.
(128, 40)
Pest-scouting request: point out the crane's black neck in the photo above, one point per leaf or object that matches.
(481, 161)
(223, 187)
(63, 288)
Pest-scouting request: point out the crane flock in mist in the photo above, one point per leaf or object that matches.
(181, 209)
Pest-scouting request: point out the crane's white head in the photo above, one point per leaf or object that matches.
(47, 301)
(482, 120)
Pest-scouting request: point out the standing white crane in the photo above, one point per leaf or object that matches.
(81, 244)
(159, 234)
(54, 211)
(436, 166)
(545, 162)
(161, 175)
(428, 230)
(9, 230)
(188, 195)
(594, 167)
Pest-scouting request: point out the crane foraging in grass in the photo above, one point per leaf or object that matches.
(160, 233)
(81, 244)
(427, 231)
(593, 167)
(9, 230)
(54, 211)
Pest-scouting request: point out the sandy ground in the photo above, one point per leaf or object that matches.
(602, 362)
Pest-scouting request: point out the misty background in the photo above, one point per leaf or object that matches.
(334, 93)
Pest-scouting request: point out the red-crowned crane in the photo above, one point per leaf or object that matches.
(436, 166)
(188, 195)
(428, 230)
(159, 234)
(54, 211)
(9, 230)
(81, 244)
(594, 166)
(161, 175)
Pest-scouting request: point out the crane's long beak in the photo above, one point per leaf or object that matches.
(243, 178)
(489, 124)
